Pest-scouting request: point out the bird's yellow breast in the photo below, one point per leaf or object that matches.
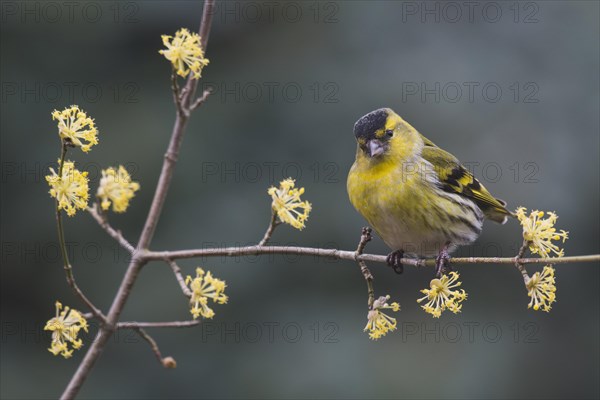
(383, 190)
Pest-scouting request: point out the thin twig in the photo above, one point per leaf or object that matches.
(63, 248)
(206, 23)
(96, 312)
(272, 225)
(200, 100)
(177, 96)
(189, 91)
(167, 362)
(350, 256)
(115, 234)
(365, 238)
(170, 324)
(519, 261)
(138, 260)
(151, 342)
(179, 277)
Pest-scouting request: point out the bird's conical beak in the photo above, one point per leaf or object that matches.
(376, 147)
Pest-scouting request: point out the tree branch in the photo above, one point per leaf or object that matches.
(137, 262)
(115, 234)
(350, 256)
(170, 324)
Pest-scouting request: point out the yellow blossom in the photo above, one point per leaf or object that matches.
(286, 202)
(75, 128)
(203, 287)
(117, 188)
(65, 327)
(379, 324)
(542, 289)
(440, 296)
(539, 232)
(185, 53)
(70, 188)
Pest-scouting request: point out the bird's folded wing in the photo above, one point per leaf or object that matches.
(454, 178)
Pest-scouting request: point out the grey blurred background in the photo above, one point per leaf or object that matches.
(509, 87)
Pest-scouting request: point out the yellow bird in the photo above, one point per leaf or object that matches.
(419, 198)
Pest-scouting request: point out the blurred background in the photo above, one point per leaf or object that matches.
(511, 88)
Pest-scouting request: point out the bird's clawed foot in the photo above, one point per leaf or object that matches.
(393, 260)
(442, 262)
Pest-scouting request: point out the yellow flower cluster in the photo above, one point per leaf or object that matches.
(542, 289)
(539, 232)
(441, 297)
(203, 287)
(379, 323)
(185, 53)
(65, 327)
(69, 188)
(117, 188)
(75, 128)
(286, 202)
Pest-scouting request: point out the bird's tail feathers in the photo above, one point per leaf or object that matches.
(498, 214)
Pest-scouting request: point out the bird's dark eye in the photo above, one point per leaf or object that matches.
(389, 133)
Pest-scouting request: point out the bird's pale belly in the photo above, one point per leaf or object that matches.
(426, 227)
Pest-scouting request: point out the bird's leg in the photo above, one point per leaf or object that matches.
(393, 260)
(442, 262)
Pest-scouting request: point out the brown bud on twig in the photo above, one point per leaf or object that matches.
(169, 362)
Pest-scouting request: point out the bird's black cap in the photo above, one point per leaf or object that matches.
(366, 126)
